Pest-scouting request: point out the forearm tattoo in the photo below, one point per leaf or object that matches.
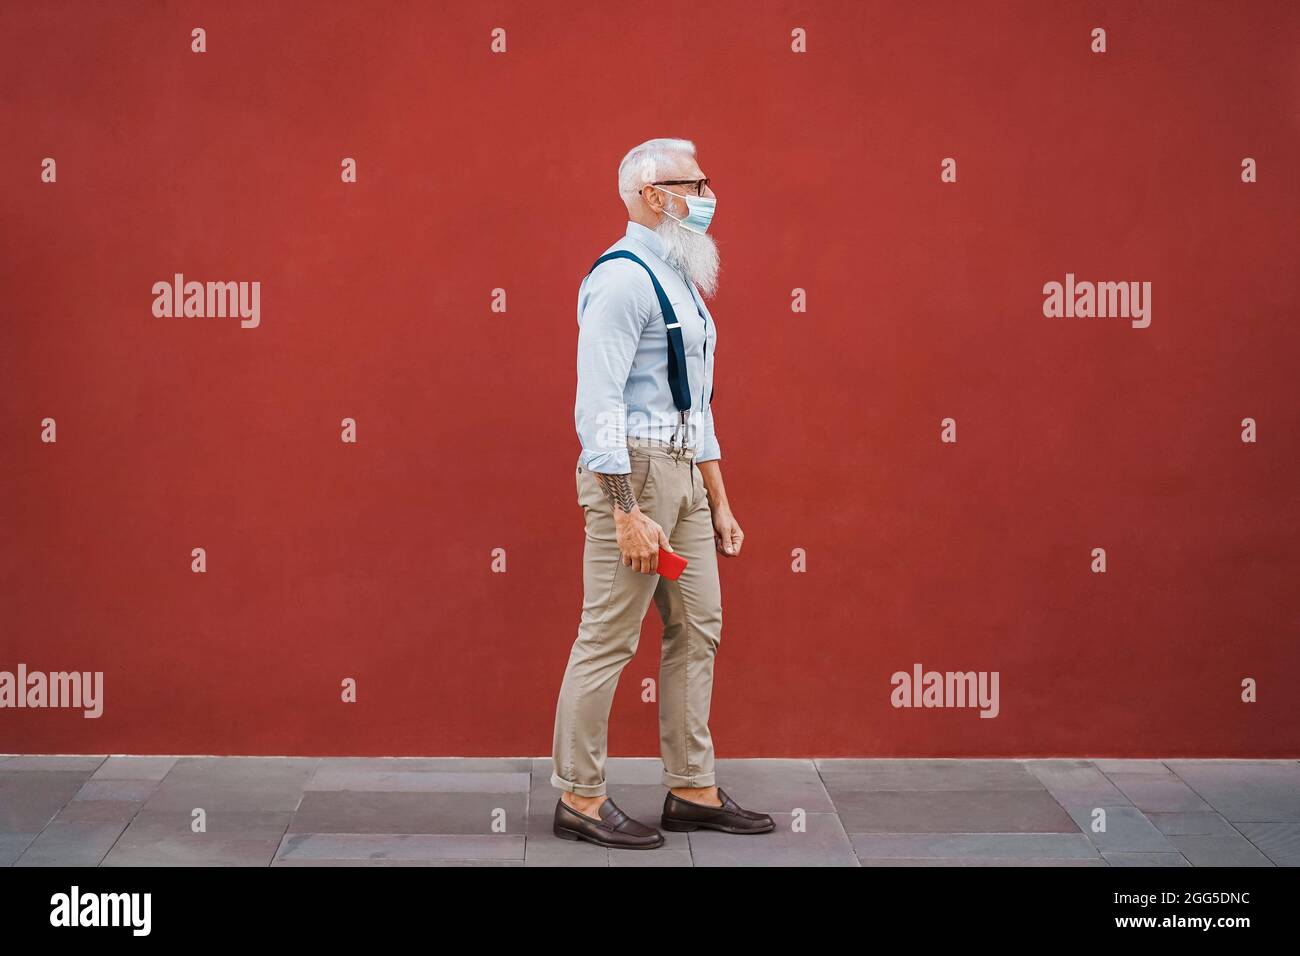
(618, 490)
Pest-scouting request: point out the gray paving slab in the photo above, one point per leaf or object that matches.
(401, 846)
(99, 811)
(124, 810)
(550, 850)
(1127, 830)
(974, 845)
(12, 846)
(121, 767)
(226, 795)
(1280, 842)
(131, 790)
(951, 811)
(772, 786)
(86, 763)
(660, 857)
(429, 764)
(823, 843)
(1124, 858)
(1113, 765)
(233, 838)
(542, 797)
(1190, 824)
(211, 770)
(926, 775)
(426, 781)
(390, 863)
(233, 784)
(222, 825)
(1076, 782)
(1164, 793)
(1220, 850)
(1250, 791)
(72, 843)
(983, 861)
(29, 799)
(878, 764)
(357, 811)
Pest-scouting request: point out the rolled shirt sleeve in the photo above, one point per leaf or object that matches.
(709, 450)
(613, 310)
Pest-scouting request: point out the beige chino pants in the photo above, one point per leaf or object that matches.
(671, 491)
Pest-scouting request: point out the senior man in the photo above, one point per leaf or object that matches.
(649, 476)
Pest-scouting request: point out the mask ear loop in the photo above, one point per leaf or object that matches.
(665, 209)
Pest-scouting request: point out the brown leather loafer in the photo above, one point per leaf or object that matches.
(614, 828)
(682, 816)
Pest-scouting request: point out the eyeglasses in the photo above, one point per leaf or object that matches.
(699, 184)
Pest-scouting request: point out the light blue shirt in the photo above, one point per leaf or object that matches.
(623, 357)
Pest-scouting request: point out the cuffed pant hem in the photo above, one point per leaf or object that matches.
(581, 789)
(695, 780)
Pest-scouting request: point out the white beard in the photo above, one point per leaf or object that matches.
(692, 253)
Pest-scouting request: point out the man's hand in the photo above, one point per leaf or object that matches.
(639, 535)
(727, 536)
(639, 539)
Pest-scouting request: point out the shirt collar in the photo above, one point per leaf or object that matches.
(647, 236)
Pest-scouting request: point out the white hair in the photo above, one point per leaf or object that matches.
(693, 254)
(643, 164)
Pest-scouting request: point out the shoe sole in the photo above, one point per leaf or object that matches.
(666, 824)
(564, 834)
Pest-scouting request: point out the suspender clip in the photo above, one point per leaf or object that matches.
(677, 445)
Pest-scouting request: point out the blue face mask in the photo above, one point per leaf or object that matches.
(700, 212)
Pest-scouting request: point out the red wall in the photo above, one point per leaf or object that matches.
(481, 170)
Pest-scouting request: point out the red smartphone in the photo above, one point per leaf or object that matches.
(671, 565)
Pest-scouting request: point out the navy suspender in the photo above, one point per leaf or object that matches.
(677, 377)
